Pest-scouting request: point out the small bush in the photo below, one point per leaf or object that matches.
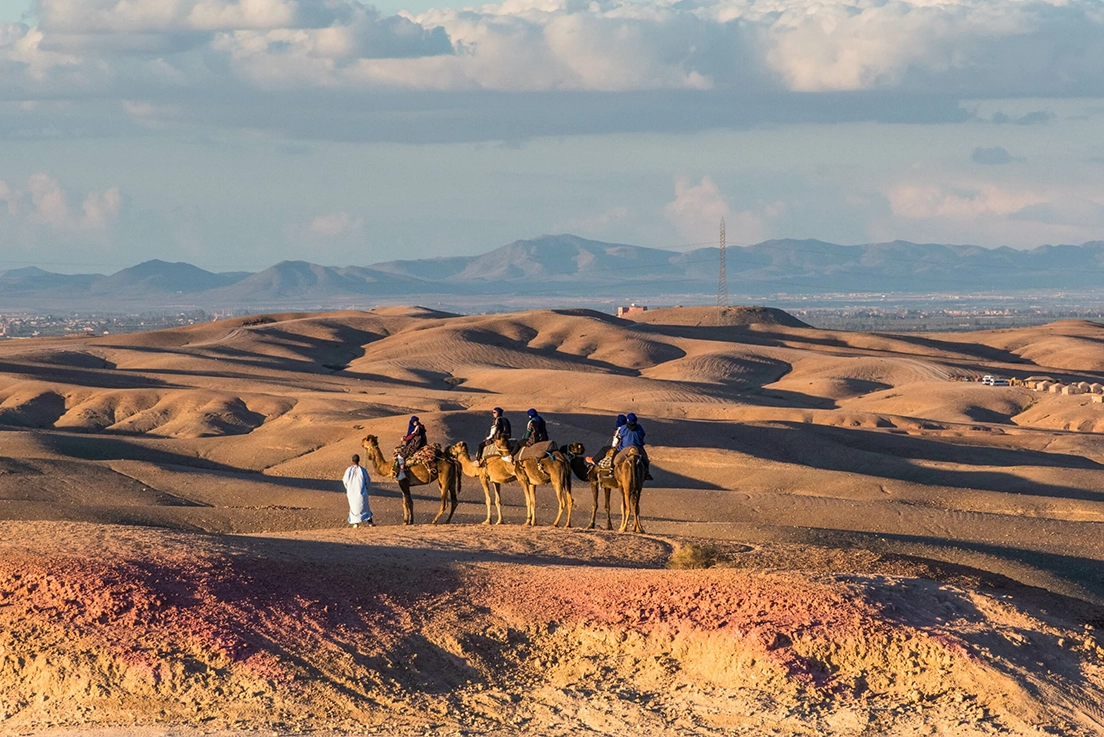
(693, 555)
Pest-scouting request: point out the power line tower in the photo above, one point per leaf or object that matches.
(722, 282)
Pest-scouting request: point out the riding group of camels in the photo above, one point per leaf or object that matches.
(554, 467)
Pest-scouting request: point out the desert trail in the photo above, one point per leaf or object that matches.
(899, 551)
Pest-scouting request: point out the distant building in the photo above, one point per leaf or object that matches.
(631, 309)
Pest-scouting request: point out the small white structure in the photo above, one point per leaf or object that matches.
(1042, 386)
(1056, 388)
(1098, 398)
(1096, 388)
(1072, 389)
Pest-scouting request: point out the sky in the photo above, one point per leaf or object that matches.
(234, 134)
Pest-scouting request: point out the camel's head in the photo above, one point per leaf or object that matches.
(502, 443)
(576, 449)
(457, 450)
(370, 442)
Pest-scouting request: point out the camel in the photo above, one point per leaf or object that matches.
(532, 472)
(628, 472)
(621, 476)
(588, 472)
(448, 479)
(491, 475)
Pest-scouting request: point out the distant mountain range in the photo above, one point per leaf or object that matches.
(568, 266)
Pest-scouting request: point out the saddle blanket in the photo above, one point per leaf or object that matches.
(490, 451)
(623, 454)
(425, 455)
(538, 450)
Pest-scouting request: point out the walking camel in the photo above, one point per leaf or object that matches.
(418, 474)
(617, 478)
(553, 468)
(629, 473)
(492, 474)
(589, 472)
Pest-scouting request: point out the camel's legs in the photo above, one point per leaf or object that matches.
(454, 492)
(609, 516)
(498, 502)
(570, 506)
(487, 497)
(408, 503)
(446, 489)
(624, 509)
(560, 504)
(530, 504)
(594, 511)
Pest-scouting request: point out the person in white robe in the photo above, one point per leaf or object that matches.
(356, 489)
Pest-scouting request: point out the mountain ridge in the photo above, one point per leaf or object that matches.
(566, 265)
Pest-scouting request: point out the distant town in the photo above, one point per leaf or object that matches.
(28, 325)
(15, 325)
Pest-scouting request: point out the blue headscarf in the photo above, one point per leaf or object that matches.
(532, 413)
(630, 417)
(410, 427)
(621, 420)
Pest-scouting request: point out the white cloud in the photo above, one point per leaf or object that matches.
(697, 208)
(966, 47)
(101, 210)
(43, 202)
(920, 200)
(334, 224)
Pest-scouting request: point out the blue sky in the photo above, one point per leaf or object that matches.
(13, 10)
(236, 133)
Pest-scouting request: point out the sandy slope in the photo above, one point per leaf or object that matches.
(909, 553)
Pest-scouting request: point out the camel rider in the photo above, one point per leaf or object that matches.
(632, 434)
(500, 428)
(604, 456)
(620, 428)
(411, 443)
(536, 431)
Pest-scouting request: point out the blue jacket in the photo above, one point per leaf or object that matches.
(632, 434)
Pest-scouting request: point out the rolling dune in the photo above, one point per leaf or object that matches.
(897, 550)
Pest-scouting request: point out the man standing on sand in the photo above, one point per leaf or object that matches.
(356, 489)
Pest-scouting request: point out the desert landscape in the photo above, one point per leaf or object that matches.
(842, 535)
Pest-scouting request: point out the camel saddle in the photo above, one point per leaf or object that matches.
(426, 457)
(490, 451)
(537, 451)
(624, 453)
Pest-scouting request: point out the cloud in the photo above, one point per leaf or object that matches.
(334, 224)
(1073, 211)
(43, 202)
(995, 156)
(697, 208)
(926, 200)
(1038, 117)
(526, 68)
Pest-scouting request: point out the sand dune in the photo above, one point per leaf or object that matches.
(903, 552)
